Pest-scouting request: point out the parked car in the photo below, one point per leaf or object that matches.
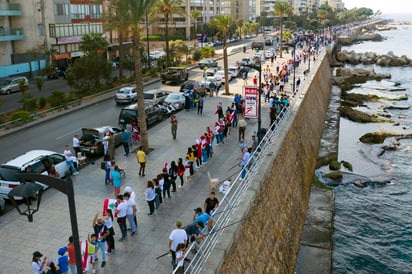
(268, 54)
(206, 44)
(195, 86)
(221, 74)
(130, 114)
(91, 141)
(175, 75)
(155, 96)
(38, 161)
(210, 72)
(156, 54)
(126, 95)
(233, 71)
(206, 82)
(176, 99)
(9, 86)
(258, 45)
(207, 63)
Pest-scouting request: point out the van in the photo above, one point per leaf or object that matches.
(9, 86)
(258, 45)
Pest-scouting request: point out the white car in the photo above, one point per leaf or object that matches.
(233, 71)
(221, 75)
(38, 161)
(207, 80)
(126, 95)
(156, 54)
(268, 54)
(176, 99)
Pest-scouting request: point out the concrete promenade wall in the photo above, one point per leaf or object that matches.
(274, 208)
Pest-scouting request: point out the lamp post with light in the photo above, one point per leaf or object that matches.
(27, 190)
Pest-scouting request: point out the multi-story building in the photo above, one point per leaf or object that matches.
(35, 32)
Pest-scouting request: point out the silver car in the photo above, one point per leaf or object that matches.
(126, 95)
(9, 86)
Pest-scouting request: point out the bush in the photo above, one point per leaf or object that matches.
(207, 51)
(24, 115)
(334, 165)
(29, 103)
(197, 55)
(57, 98)
(42, 102)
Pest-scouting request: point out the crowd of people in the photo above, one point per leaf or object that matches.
(172, 175)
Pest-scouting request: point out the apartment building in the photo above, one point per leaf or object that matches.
(31, 28)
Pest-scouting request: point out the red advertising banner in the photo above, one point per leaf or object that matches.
(251, 102)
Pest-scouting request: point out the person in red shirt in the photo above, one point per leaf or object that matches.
(72, 257)
(198, 148)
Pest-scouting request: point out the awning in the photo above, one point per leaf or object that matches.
(61, 56)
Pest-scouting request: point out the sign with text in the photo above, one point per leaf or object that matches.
(251, 102)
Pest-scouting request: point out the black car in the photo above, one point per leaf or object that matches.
(195, 86)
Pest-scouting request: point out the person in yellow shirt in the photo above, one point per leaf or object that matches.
(141, 159)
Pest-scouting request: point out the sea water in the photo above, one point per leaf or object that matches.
(373, 225)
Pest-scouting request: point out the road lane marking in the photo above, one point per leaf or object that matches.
(68, 133)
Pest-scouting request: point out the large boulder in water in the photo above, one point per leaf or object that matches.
(341, 56)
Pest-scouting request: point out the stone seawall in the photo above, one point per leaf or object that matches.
(274, 208)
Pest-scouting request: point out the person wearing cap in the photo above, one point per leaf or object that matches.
(39, 263)
(176, 237)
(200, 216)
(63, 260)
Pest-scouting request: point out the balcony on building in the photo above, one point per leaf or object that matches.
(11, 34)
(10, 9)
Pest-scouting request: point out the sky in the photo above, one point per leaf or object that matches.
(386, 7)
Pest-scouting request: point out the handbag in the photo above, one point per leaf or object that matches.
(103, 165)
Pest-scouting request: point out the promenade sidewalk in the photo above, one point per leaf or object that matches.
(51, 227)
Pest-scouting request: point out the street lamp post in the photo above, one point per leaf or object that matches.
(294, 66)
(64, 186)
(147, 40)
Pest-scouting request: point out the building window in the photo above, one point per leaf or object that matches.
(40, 29)
(61, 9)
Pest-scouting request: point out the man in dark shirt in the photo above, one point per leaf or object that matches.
(211, 204)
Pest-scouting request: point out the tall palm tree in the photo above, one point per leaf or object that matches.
(282, 9)
(168, 8)
(239, 24)
(223, 23)
(194, 15)
(114, 20)
(135, 13)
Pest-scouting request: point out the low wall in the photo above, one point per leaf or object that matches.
(274, 208)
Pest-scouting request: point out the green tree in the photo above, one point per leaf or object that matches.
(223, 23)
(135, 14)
(115, 21)
(178, 49)
(167, 8)
(239, 25)
(282, 9)
(194, 15)
(89, 70)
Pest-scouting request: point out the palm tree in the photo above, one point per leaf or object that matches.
(115, 20)
(239, 24)
(282, 9)
(194, 15)
(223, 23)
(135, 13)
(168, 8)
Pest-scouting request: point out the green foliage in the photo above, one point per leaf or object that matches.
(334, 175)
(207, 51)
(347, 165)
(24, 115)
(152, 38)
(197, 55)
(39, 83)
(334, 165)
(88, 72)
(42, 102)
(319, 184)
(57, 98)
(29, 103)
